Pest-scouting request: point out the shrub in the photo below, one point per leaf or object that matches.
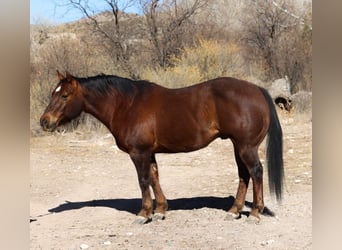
(208, 59)
(302, 102)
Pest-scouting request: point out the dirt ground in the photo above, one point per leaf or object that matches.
(84, 194)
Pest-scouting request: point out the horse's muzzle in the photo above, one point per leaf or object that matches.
(47, 124)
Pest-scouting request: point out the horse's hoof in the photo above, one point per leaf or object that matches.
(232, 216)
(251, 219)
(141, 220)
(158, 216)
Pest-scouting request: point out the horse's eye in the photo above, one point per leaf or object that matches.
(64, 97)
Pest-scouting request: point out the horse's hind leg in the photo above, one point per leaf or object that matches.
(244, 176)
(248, 157)
(161, 206)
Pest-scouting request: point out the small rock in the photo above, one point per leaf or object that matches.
(107, 243)
(129, 234)
(84, 246)
(267, 242)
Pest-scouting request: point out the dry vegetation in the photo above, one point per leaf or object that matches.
(177, 43)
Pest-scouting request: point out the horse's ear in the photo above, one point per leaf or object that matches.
(69, 77)
(60, 76)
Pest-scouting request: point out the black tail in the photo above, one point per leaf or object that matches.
(274, 151)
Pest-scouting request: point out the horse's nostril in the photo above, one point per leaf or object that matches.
(44, 122)
(48, 124)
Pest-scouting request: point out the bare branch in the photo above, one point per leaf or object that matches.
(113, 34)
(301, 20)
(166, 25)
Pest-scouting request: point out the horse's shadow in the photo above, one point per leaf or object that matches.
(133, 205)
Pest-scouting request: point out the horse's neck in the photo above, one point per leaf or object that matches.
(104, 108)
(98, 106)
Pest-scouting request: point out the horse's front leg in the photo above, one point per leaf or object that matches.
(141, 161)
(161, 207)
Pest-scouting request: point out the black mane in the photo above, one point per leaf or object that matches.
(104, 84)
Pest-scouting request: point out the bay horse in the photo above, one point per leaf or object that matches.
(146, 119)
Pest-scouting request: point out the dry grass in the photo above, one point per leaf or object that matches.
(207, 60)
(302, 102)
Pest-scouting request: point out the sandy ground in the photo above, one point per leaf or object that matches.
(84, 195)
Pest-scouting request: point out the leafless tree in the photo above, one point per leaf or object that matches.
(115, 38)
(273, 33)
(169, 25)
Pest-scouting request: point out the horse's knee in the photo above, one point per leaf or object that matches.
(144, 182)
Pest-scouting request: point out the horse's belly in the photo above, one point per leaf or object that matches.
(186, 141)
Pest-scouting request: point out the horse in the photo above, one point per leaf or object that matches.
(146, 118)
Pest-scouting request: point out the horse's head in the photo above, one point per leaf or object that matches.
(65, 104)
